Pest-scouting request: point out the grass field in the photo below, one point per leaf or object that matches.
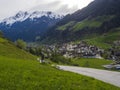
(91, 62)
(20, 71)
(30, 75)
(10, 50)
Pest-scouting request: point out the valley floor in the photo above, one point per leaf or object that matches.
(103, 75)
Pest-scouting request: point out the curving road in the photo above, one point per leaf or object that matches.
(103, 75)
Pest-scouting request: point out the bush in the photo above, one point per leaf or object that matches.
(32, 50)
(1, 34)
(60, 59)
(20, 44)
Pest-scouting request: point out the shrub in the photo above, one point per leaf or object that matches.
(20, 44)
(1, 34)
(60, 59)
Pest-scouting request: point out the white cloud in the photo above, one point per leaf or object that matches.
(56, 6)
(10, 7)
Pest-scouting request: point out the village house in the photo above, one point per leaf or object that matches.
(116, 43)
(80, 50)
(115, 52)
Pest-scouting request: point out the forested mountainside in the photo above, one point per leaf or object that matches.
(100, 18)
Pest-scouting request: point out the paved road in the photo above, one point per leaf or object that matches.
(103, 75)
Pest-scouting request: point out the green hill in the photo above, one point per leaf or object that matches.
(105, 41)
(20, 71)
(8, 49)
(20, 74)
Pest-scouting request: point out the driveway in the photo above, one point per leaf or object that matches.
(103, 75)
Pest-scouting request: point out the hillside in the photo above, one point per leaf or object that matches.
(105, 41)
(98, 19)
(30, 75)
(8, 49)
(20, 70)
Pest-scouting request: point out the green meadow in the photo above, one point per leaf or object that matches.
(91, 62)
(20, 70)
(18, 74)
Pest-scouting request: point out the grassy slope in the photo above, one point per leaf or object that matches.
(91, 63)
(86, 23)
(30, 75)
(105, 41)
(92, 23)
(80, 25)
(8, 49)
(64, 27)
(18, 72)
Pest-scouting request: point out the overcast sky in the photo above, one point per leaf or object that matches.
(11, 7)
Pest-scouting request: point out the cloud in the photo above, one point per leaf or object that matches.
(47, 6)
(56, 6)
(64, 9)
(11, 7)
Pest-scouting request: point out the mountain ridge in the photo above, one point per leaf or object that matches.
(23, 15)
(28, 26)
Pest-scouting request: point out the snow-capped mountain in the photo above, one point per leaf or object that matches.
(28, 25)
(22, 16)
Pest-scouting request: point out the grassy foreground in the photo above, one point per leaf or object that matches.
(30, 75)
(20, 71)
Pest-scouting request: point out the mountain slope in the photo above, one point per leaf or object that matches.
(28, 25)
(98, 18)
(9, 50)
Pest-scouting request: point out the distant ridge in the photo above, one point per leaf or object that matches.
(28, 25)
